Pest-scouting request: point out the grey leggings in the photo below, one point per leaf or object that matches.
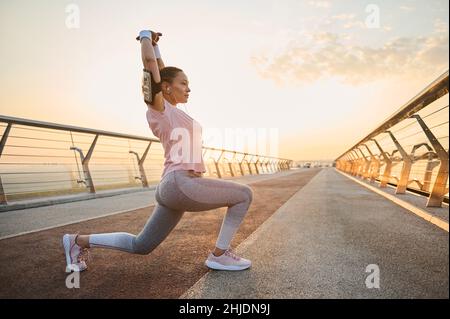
(180, 191)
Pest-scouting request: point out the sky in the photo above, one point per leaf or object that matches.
(307, 79)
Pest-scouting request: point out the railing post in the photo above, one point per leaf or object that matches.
(430, 164)
(267, 165)
(203, 156)
(344, 163)
(85, 163)
(351, 162)
(3, 199)
(358, 163)
(219, 174)
(256, 166)
(387, 170)
(353, 159)
(359, 166)
(371, 164)
(264, 169)
(428, 173)
(347, 165)
(231, 164)
(75, 183)
(439, 187)
(406, 169)
(140, 161)
(240, 164)
(394, 163)
(364, 168)
(263, 164)
(249, 166)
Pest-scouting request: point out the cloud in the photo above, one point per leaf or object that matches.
(344, 16)
(354, 24)
(351, 21)
(319, 4)
(323, 54)
(440, 26)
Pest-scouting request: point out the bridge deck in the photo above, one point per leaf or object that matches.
(310, 233)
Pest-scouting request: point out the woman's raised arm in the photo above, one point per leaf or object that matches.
(152, 64)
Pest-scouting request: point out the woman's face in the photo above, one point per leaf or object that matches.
(178, 90)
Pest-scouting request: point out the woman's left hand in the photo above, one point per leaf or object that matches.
(155, 37)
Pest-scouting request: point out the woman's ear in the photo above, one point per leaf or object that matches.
(165, 87)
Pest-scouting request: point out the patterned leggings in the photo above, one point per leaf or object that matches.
(180, 191)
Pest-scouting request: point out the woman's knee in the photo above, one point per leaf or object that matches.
(141, 249)
(157, 195)
(249, 192)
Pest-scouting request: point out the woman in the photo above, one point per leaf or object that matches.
(182, 187)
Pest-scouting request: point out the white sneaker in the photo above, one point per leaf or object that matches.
(75, 255)
(229, 260)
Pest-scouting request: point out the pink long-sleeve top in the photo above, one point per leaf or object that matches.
(180, 136)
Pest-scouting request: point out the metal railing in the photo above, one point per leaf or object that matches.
(40, 159)
(410, 149)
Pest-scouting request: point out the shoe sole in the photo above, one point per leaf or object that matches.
(66, 245)
(217, 266)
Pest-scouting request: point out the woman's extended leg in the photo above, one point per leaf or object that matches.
(157, 228)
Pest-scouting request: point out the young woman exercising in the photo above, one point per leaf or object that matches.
(182, 187)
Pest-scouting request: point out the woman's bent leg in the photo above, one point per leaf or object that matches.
(200, 194)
